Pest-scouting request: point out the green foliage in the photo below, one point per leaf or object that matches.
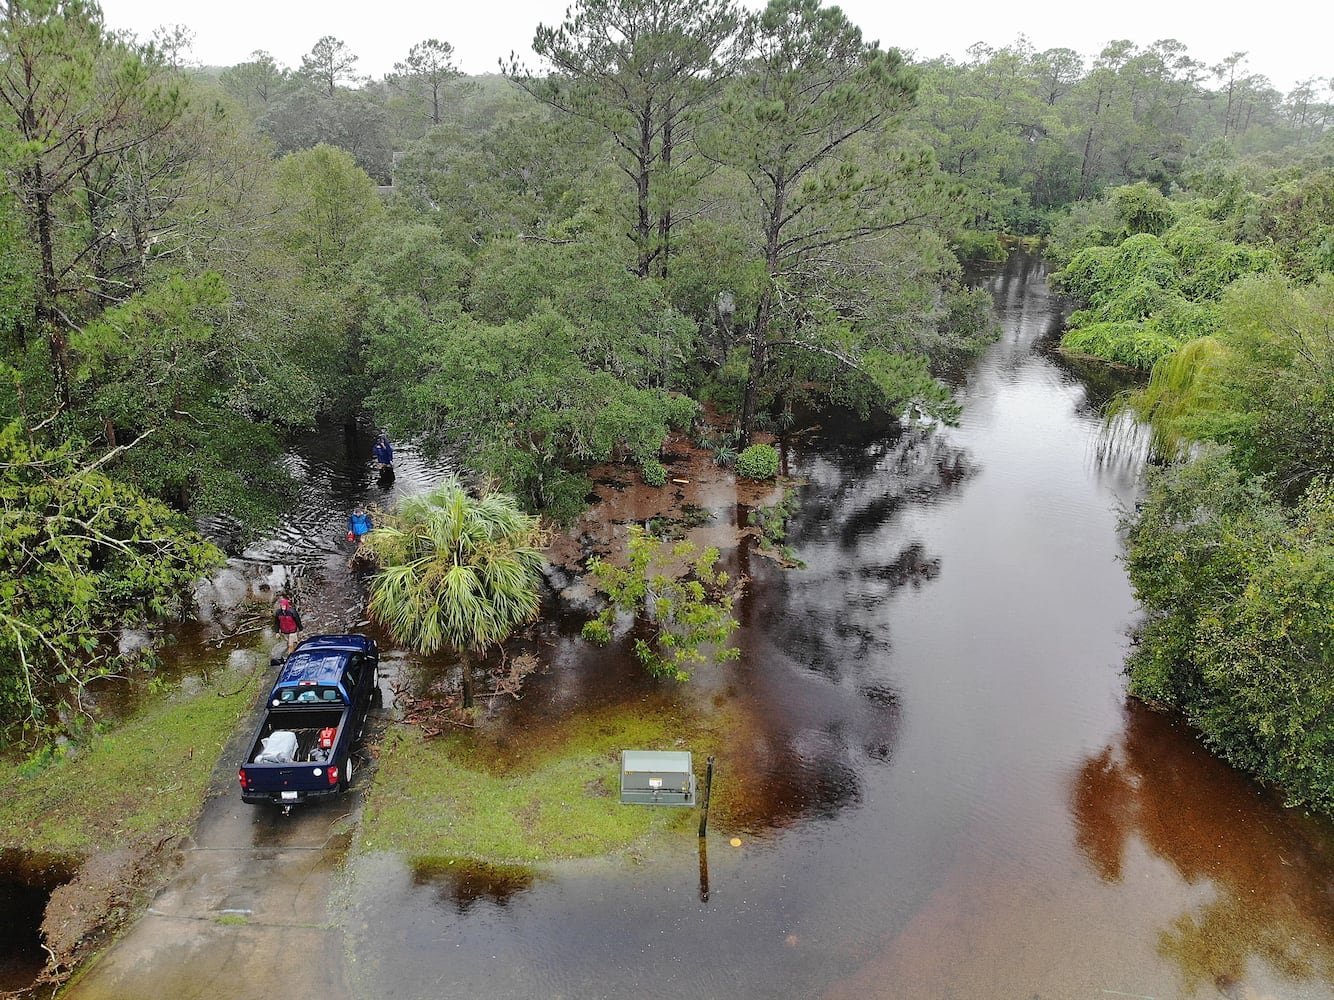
(1299, 218)
(1148, 296)
(93, 146)
(81, 558)
(1262, 384)
(681, 412)
(159, 374)
(411, 261)
(145, 777)
(716, 278)
(455, 570)
(1137, 345)
(519, 401)
(813, 126)
(328, 201)
(1238, 596)
(1209, 263)
(1183, 390)
(503, 167)
(1142, 208)
(684, 601)
(424, 83)
(1088, 274)
(1279, 383)
(976, 245)
(653, 473)
(759, 461)
(255, 85)
(628, 329)
(643, 74)
(18, 275)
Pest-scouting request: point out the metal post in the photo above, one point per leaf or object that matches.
(703, 869)
(708, 785)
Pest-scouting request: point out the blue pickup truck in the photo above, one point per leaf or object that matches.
(317, 710)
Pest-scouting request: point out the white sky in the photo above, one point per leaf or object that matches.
(1281, 37)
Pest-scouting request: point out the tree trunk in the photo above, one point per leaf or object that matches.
(665, 213)
(48, 314)
(643, 225)
(755, 376)
(773, 235)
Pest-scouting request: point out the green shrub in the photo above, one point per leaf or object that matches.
(759, 461)
(974, 245)
(1237, 591)
(653, 473)
(681, 412)
(1136, 345)
(1142, 208)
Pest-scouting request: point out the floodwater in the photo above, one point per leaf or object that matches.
(947, 794)
(956, 797)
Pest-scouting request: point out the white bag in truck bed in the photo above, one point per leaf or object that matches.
(277, 748)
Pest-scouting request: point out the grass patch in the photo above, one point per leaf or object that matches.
(557, 796)
(148, 775)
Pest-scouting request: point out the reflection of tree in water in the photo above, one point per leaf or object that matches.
(826, 621)
(1270, 879)
(462, 884)
(830, 615)
(811, 768)
(856, 487)
(1102, 382)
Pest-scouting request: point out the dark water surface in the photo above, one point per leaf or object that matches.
(958, 800)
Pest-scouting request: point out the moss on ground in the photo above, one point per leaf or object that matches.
(147, 776)
(557, 796)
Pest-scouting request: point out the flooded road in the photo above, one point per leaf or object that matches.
(955, 798)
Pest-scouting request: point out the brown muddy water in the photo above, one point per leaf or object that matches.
(956, 798)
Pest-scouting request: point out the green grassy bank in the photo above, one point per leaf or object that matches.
(146, 775)
(556, 796)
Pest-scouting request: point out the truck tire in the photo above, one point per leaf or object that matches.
(346, 780)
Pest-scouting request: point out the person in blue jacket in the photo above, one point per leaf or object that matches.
(358, 523)
(383, 452)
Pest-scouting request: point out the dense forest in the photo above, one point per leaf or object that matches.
(680, 206)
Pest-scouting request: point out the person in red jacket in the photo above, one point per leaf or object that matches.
(287, 620)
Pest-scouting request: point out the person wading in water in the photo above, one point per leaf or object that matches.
(287, 620)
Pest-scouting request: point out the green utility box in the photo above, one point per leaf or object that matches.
(657, 778)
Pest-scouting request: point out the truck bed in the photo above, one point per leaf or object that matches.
(306, 723)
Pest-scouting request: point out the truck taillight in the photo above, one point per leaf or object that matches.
(241, 774)
(333, 775)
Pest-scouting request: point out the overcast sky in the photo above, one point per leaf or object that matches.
(1280, 37)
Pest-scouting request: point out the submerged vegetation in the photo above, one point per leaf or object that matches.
(678, 596)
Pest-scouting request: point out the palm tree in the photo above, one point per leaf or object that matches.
(457, 570)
